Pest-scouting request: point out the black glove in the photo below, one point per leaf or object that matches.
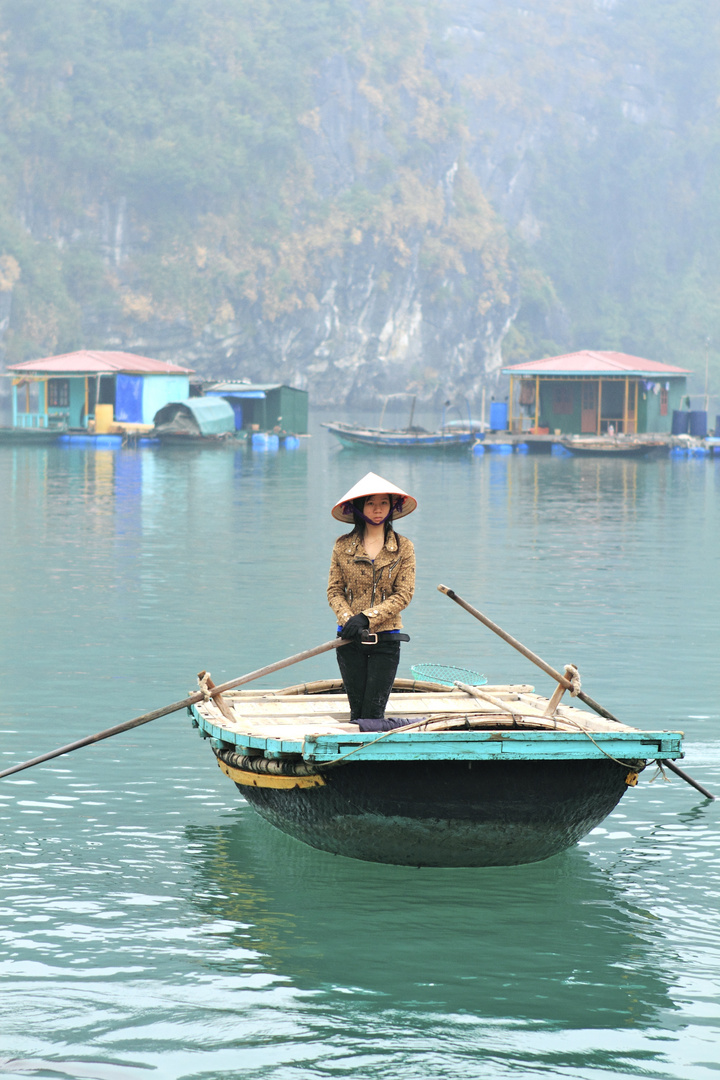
(354, 626)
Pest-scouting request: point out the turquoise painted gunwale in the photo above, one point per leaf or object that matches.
(454, 745)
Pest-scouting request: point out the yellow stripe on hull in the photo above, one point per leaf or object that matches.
(265, 780)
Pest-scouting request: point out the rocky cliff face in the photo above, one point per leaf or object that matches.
(383, 315)
(444, 186)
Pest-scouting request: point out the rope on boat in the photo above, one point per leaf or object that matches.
(572, 673)
(393, 731)
(625, 764)
(266, 766)
(659, 771)
(204, 685)
(631, 779)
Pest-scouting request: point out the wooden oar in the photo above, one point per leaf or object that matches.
(176, 706)
(527, 653)
(562, 680)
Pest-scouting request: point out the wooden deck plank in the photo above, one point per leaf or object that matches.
(284, 713)
(293, 717)
(288, 726)
(278, 695)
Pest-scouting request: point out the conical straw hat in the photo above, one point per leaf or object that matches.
(372, 484)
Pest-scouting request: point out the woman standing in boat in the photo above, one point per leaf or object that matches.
(372, 579)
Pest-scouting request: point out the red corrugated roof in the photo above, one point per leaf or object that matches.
(93, 362)
(591, 362)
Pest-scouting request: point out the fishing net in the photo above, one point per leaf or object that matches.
(447, 675)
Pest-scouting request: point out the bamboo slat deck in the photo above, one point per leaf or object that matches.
(294, 716)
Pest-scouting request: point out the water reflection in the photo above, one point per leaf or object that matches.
(221, 946)
(555, 942)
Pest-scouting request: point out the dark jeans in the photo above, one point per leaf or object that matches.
(368, 672)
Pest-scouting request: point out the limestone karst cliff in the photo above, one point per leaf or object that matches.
(359, 197)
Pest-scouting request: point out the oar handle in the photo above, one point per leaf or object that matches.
(107, 734)
(193, 699)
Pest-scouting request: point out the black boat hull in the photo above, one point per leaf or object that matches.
(441, 813)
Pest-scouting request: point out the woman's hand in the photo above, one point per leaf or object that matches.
(354, 626)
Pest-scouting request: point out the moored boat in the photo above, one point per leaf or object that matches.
(486, 776)
(452, 434)
(613, 445)
(412, 438)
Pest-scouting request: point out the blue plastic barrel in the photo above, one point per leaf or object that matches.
(501, 448)
(697, 423)
(679, 422)
(478, 448)
(498, 415)
(522, 448)
(291, 442)
(558, 450)
(264, 440)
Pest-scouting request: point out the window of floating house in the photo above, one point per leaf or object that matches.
(58, 393)
(563, 398)
(663, 402)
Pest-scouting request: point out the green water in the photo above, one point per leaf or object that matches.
(153, 925)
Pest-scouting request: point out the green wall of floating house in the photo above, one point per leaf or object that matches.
(649, 404)
(649, 416)
(293, 408)
(567, 423)
(77, 416)
(284, 406)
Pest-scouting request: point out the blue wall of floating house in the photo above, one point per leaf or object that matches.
(160, 390)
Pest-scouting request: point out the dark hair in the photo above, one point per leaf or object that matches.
(358, 528)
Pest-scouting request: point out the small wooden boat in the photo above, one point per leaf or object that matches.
(488, 776)
(414, 438)
(452, 434)
(29, 436)
(613, 445)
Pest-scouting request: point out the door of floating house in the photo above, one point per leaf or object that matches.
(589, 408)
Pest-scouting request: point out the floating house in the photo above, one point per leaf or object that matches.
(593, 392)
(103, 390)
(264, 406)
